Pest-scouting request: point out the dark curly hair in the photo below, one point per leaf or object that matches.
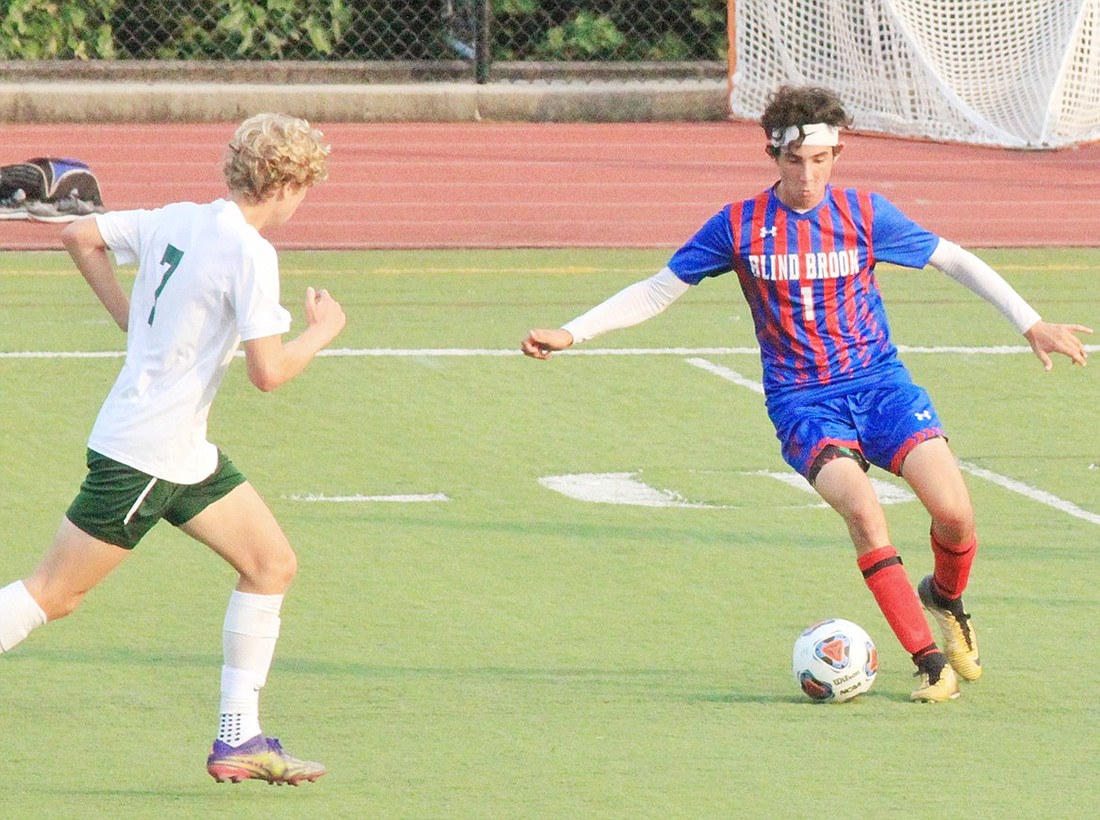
(801, 105)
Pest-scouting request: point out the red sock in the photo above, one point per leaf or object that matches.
(886, 578)
(952, 566)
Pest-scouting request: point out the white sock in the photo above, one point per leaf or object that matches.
(249, 634)
(19, 614)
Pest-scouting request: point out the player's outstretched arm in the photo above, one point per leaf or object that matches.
(630, 306)
(1047, 337)
(85, 245)
(541, 342)
(272, 363)
(1044, 337)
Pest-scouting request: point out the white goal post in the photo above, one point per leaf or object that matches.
(1015, 73)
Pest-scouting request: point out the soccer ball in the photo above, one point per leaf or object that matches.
(834, 661)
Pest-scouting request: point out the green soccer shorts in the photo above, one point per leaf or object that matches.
(119, 504)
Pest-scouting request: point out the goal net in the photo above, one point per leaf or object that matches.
(1016, 73)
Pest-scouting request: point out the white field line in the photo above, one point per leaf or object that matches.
(408, 498)
(887, 493)
(63, 354)
(422, 352)
(617, 488)
(1019, 487)
(397, 352)
(728, 374)
(1043, 497)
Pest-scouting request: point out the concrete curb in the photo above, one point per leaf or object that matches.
(695, 100)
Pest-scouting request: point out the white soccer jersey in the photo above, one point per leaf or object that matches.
(206, 280)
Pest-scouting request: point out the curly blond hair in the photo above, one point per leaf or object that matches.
(271, 150)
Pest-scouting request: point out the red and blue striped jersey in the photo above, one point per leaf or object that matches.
(809, 279)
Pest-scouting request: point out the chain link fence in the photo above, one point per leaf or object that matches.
(489, 39)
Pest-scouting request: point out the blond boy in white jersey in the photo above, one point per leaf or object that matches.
(207, 281)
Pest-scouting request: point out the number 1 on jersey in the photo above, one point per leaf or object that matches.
(172, 257)
(807, 304)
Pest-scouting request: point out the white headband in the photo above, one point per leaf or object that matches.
(816, 133)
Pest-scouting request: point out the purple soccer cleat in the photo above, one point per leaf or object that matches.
(261, 758)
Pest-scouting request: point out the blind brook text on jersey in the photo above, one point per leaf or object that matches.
(793, 266)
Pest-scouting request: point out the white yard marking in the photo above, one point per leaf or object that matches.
(357, 499)
(616, 488)
(629, 490)
(887, 493)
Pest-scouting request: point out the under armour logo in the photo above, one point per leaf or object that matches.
(768, 232)
(923, 415)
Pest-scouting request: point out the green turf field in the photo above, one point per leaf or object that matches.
(512, 652)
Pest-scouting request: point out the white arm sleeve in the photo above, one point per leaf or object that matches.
(630, 306)
(970, 271)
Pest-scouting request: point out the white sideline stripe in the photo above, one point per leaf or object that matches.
(996, 350)
(63, 354)
(624, 351)
(1042, 496)
(401, 499)
(728, 375)
(398, 352)
(1026, 490)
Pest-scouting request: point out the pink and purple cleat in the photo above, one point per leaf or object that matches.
(261, 758)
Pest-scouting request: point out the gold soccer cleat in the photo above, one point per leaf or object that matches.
(959, 641)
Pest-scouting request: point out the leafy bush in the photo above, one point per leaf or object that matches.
(230, 29)
(609, 30)
(360, 29)
(57, 29)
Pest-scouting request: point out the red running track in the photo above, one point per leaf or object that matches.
(445, 185)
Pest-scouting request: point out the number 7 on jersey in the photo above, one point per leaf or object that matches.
(172, 258)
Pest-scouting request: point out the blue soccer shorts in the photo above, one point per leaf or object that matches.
(880, 425)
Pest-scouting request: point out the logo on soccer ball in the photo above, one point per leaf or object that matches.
(834, 661)
(834, 650)
(871, 667)
(814, 689)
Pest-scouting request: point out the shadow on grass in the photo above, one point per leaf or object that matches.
(668, 685)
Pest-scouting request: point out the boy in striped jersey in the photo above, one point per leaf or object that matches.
(840, 398)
